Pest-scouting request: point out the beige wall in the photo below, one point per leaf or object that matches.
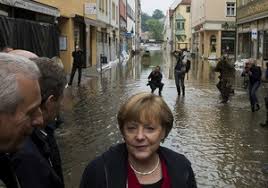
(209, 10)
(197, 12)
(68, 8)
(215, 10)
(181, 9)
(186, 15)
(67, 26)
(207, 17)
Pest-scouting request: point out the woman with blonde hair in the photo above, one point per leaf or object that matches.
(144, 120)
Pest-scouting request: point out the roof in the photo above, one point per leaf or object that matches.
(185, 2)
(176, 3)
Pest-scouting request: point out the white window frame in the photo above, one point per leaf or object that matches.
(229, 7)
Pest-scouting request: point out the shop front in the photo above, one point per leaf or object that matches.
(29, 25)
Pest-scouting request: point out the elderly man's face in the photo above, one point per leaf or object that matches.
(14, 128)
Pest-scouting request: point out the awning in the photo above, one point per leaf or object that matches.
(95, 23)
(32, 6)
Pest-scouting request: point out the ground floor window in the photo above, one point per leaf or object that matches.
(244, 45)
(228, 42)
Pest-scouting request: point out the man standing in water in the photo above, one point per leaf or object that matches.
(77, 64)
(224, 85)
(254, 73)
(182, 67)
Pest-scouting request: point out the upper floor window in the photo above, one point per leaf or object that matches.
(188, 9)
(180, 26)
(113, 13)
(230, 9)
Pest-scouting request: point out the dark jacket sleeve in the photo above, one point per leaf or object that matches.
(191, 180)
(256, 73)
(150, 75)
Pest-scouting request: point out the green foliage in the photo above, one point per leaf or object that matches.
(144, 18)
(156, 28)
(158, 14)
(152, 24)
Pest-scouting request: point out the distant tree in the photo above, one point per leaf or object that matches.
(158, 14)
(144, 18)
(156, 28)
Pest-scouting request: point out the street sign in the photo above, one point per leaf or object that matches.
(254, 34)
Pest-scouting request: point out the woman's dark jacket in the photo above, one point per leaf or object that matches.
(110, 169)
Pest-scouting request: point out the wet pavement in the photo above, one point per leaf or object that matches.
(224, 142)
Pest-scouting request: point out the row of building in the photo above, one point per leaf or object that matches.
(109, 28)
(212, 28)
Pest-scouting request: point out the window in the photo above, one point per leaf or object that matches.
(106, 7)
(102, 7)
(188, 9)
(113, 13)
(180, 25)
(230, 9)
(117, 14)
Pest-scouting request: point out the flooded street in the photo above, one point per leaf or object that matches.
(224, 142)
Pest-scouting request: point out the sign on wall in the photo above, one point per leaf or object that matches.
(90, 8)
(254, 34)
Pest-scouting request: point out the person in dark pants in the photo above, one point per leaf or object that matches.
(265, 81)
(38, 163)
(77, 65)
(19, 110)
(180, 70)
(224, 85)
(254, 73)
(155, 79)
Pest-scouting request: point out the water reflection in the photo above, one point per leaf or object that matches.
(226, 146)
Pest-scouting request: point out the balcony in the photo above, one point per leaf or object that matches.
(180, 32)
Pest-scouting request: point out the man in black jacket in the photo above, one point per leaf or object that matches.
(77, 64)
(38, 163)
(19, 110)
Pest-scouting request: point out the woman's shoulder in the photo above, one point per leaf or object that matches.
(171, 155)
(95, 171)
(114, 152)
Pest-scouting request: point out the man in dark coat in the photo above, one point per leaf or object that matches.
(155, 79)
(254, 73)
(38, 163)
(224, 85)
(77, 65)
(19, 110)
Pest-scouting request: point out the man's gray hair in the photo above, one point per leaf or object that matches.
(10, 67)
